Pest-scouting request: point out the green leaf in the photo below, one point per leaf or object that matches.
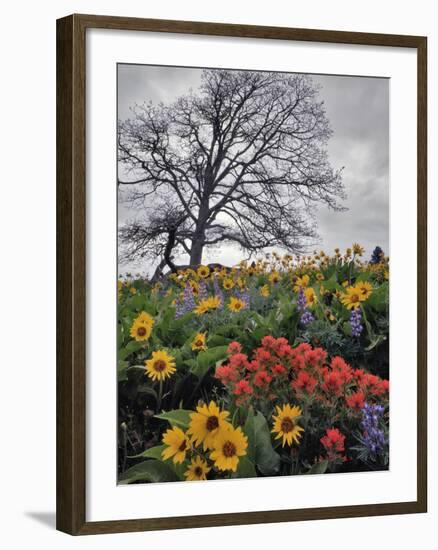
(150, 470)
(143, 388)
(260, 450)
(177, 417)
(218, 340)
(121, 371)
(379, 299)
(378, 339)
(208, 359)
(152, 452)
(131, 347)
(245, 468)
(318, 468)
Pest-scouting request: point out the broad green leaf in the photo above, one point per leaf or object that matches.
(143, 388)
(318, 468)
(377, 340)
(218, 340)
(150, 470)
(208, 359)
(379, 299)
(260, 450)
(152, 452)
(245, 468)
(131, 347)
(121, 371)
(177, 417)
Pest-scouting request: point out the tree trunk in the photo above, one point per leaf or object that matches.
(196, 251)
(199, 235)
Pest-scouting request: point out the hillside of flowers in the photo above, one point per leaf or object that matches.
(278, 366)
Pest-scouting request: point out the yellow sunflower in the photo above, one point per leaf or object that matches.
(203, 271)
(206, 423)
(264, 291)
(198, 342)
(310, 296)
(352, 298)
(241, 283)
(274, 277)
(197, 470)
(141, 328)
(236, 304)
(161, 366)
(366, 289)
(133, 290)
(194, 286)
(358, 250)
(285, 424)
(228, 283)
(229, 445)
(177, 445)
(213, 302)
(301, 282)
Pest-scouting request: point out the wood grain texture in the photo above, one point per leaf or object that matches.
(71, 269)
(70, 446)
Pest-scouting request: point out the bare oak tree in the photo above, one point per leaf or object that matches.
(242, 160)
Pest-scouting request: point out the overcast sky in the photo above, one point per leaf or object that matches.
(358, 111)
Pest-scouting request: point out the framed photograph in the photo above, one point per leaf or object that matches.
(241, 274)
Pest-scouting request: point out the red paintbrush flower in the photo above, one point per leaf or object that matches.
(233, 348)
(226, 374)
(279, 370)
(243, 387)
(333, 443)
(262, 379)
(315, 357)
(262, 355)
(304, 382)
(356, 400)
(332, 383)
(239, 361)
(268, 342)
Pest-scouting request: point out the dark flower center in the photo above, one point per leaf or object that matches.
(229, 449)
(198, 471)
(212, 423)
(159, 365)
(199, 343)
(183, 446)
(354, 298)
(141, 331)
(287, 424)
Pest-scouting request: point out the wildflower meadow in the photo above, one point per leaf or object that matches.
(273, 367)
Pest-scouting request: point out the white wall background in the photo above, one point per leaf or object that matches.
(27, 304)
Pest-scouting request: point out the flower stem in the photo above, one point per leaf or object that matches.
(160, 395)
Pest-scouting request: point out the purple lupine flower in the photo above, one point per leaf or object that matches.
(244, 295)
(202, 292)
(301, 300)
(187, 303)
(373, 437)
(306, 316)
(218, 292)
(189, 297)
(356, 322)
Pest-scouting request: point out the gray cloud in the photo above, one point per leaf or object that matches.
(358, 110)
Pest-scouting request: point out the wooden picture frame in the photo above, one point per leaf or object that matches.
(71, 273)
